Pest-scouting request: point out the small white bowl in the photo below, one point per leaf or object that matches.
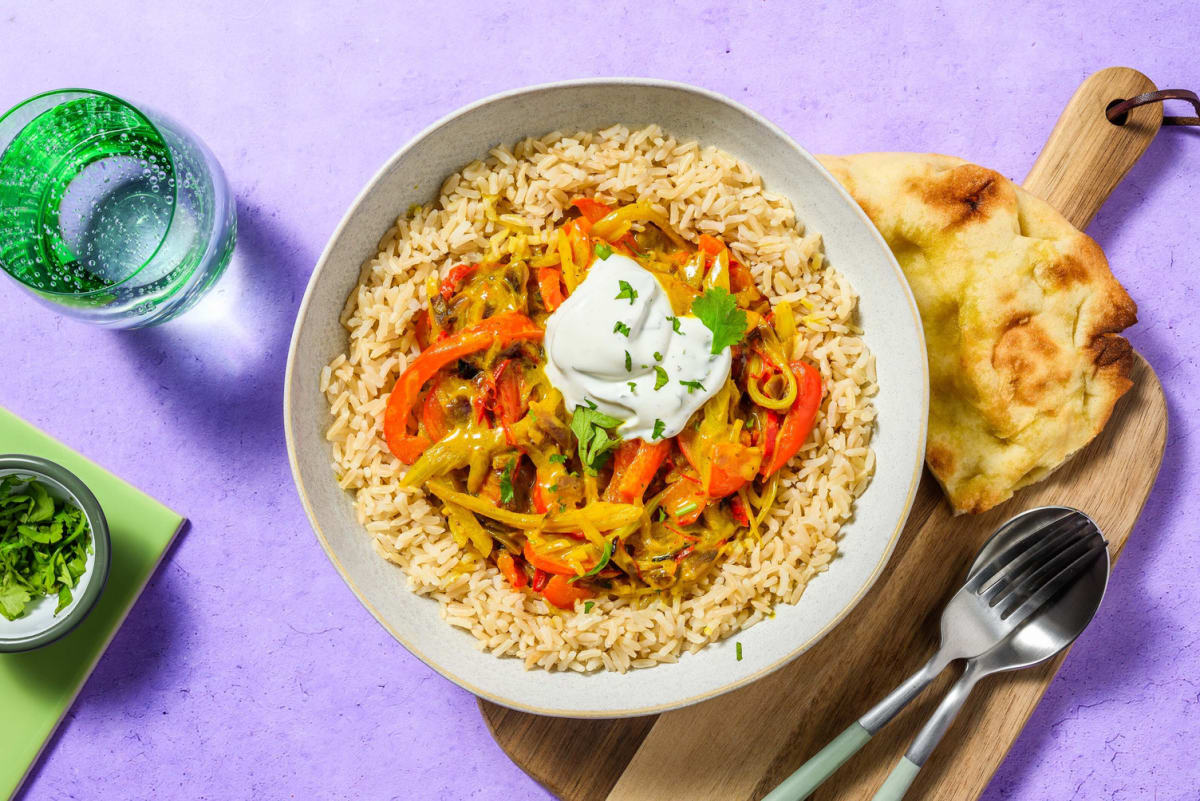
(40, 625)
(889, 316)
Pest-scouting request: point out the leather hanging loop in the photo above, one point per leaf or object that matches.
(1118, 109)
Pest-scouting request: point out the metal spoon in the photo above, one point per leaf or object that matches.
(1032, 589)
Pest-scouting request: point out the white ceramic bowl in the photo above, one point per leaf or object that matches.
(854, 247)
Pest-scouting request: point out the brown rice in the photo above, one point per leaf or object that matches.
(701, 190)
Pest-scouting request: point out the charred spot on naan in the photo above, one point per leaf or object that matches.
(969, 193)
(1030, 360)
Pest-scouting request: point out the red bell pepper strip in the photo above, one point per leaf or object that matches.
(433, 416)
(501, 329)
(424, 327)
(541, 491)
(798, 423)
(508, 567)
(547, 563)
(729, 461)
(710, 244)
(508, 393)
(739, 510)
(634, 467)
(740, 278)
(770, 434)
(540, 579)
(562, 593)
(550, 287)
(592, 210)
(455, 277)
(684, 501)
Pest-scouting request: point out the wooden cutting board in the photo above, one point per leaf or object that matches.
(740, 745)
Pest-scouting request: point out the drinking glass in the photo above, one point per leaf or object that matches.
(112, 214)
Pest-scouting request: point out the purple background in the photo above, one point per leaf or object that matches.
(248, 669)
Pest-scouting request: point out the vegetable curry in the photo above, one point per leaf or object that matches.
(555, 497)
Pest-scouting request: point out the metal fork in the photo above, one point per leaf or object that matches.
(1043, 555)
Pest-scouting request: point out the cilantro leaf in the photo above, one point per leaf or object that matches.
(628, 362)
(674, 323)
(587, 605)
(593, 430)
(560, 458)
(621, 328)
(659, 428)
(692, 386)
(13, 599)
(506, 485)
(719, 312)
(602, 250)
(632, 386)
(627, 291)
(657, 356)
(660, 377)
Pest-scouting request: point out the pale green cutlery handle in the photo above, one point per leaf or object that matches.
(898, 781)
(800, 784)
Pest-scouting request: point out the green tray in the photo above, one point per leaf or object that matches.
(37, 687)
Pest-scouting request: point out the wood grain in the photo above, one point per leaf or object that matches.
(1086, 156)
(740, 745)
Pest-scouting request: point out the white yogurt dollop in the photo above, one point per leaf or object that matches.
(590, 357)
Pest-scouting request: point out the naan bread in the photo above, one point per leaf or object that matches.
(1021, 317)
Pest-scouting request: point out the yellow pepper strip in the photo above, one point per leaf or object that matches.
(485, 507)
(718, 273)
(615, 225)
(459, 448)
(785, 327)
(601, 515)
(567, 259)
(547, 259)
(465, 528)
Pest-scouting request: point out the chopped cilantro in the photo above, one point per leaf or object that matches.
(659, 428)
(692, 386)
(674, 323)
(603, 251)
(660, 377)
(621, 328)
(657, 356)
(719, 312)
(587, 605)
(627, 291)
(632, 386)
(690, 506)
(553, 488)
(604, 557)
(558, 458)
(506, 485)
(739, 652)
(662, 514)
(628, 362)
(44, 543)
(594, 431)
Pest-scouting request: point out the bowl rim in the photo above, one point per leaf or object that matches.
(41, 467)
(303, 312)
